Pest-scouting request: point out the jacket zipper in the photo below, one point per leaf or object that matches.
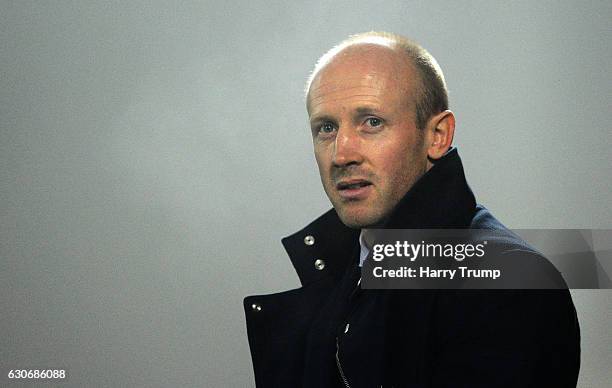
(344, 380)
(340, 370)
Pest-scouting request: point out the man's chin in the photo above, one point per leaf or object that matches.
(358, 220)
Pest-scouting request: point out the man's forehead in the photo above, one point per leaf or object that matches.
(349, 82)
(361, 71)
(366, 88)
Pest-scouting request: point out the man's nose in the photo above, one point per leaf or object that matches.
(347, 147)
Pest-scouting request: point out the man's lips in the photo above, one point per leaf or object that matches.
(353, 188)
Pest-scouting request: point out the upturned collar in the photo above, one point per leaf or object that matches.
(441, 198)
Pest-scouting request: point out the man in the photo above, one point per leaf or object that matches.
(382, 136)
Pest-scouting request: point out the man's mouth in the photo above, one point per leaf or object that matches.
(352, 184)
(353, 188)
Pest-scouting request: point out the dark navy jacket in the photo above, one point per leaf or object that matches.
(331, 333)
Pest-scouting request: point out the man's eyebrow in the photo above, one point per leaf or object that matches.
(366, 110)
(363, 111)
(316, 119)
(359, 113)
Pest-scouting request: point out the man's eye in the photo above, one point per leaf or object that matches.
(326, 128)
(374, 122)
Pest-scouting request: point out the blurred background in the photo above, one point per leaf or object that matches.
(153, 153)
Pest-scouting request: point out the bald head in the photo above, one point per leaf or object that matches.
(421, 76)
(362, 67)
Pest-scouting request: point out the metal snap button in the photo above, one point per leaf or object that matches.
(319, 264)
(256, 307)
(309, 240)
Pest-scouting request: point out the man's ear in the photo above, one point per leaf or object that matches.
(441, 128)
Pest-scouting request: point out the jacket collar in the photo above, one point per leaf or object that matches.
(439, 199)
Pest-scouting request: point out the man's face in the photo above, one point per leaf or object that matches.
(367, 146)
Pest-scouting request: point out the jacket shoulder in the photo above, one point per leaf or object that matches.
(497, 232)
(523, 265)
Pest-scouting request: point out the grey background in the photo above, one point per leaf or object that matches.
(153, 153)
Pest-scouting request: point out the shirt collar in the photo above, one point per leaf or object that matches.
(364, 249)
